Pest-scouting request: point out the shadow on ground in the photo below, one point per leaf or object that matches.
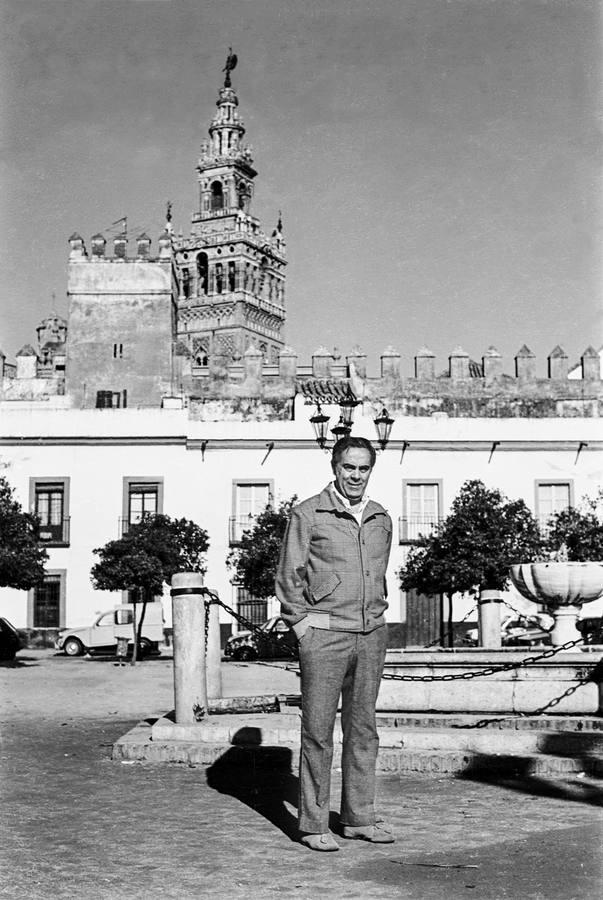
(515, 773)
(258, 776)
(261, 777)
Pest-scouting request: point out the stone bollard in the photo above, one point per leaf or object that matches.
(214, 654)
(488, 611)
(188, 621)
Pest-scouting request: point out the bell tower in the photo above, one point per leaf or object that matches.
(230, 273)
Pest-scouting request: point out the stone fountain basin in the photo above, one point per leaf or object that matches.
(557, 584)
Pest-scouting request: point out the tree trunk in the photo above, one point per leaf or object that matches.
(442, 629)
(135, 630)
(141, 596)
(450, 623)
(145, 600)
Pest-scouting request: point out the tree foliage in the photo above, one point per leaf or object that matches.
(147, 557)
(255, 560)
(484, 534)
(22, 557)
(149, 554)
(579, 530)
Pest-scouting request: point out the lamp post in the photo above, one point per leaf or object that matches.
(383, 424)
(320, 424)
(342, 429)
(347, 407)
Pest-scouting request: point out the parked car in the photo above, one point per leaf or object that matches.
(591, 629)
(10, 641)
(519, 631)
(116, 623)
(274, 640)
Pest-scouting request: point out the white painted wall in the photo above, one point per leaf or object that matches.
(202, 489)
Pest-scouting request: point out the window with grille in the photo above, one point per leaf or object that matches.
(49, 502)
(421, 508)
(142, 501)
(251, 608)
(551, 497)
(250, 498)
(47, 603)
(141, 497)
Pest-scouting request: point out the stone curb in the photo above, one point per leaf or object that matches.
(137, 745)
(283, 730)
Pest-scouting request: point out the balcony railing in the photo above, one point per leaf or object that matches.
(412, 528)
(237, 525)
(125, 524)
(545, 524)
(57, 533)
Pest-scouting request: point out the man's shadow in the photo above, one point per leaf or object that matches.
(259, 776)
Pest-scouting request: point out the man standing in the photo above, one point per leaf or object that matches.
(331, 585)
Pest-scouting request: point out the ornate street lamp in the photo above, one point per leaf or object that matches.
(342, 429)
(347, 407)
(383, 424)
(320, 424)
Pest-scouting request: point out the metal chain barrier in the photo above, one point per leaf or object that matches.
(246, 623)
(446, 633)
(483, 723)
(461, 676)
(531, 620)
(208, 603)
(489, 670)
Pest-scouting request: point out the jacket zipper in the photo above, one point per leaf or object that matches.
(363, 604)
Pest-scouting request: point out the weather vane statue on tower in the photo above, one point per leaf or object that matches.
(231, 62)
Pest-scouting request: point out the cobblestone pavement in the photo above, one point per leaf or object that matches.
(77, 825)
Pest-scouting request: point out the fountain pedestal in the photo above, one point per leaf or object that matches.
(564, 629)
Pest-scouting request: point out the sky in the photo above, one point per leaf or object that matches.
(437, 162)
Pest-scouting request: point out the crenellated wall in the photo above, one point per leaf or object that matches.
(464, 388)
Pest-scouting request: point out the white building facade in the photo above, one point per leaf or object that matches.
(88, 473)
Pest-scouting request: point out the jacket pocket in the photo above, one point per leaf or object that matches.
(326, 587)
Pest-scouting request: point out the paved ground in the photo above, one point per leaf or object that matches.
(76, 824)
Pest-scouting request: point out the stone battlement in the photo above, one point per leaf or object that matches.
(98, 246)
(465, 388)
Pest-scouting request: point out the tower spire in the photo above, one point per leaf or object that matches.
(230, 273)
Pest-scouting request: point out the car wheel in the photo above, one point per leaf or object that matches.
(145, 647)
(73, 647)
(246, 654)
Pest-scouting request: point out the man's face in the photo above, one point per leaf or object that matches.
(352, 472)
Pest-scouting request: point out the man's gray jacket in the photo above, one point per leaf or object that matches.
(332, 570)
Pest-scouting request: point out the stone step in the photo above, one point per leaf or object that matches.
(137, 745)
(452, 746)
(275, 729)
(287, 704)
(578, 724)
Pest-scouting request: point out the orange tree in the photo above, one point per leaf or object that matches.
(147, 557)
(472, 550)
(578, 529)
(254, 562)
(22, 557)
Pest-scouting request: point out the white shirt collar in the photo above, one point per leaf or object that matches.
(357, 509)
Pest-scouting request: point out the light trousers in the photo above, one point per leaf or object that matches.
(350, 665)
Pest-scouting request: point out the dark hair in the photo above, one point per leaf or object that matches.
(346, 443)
